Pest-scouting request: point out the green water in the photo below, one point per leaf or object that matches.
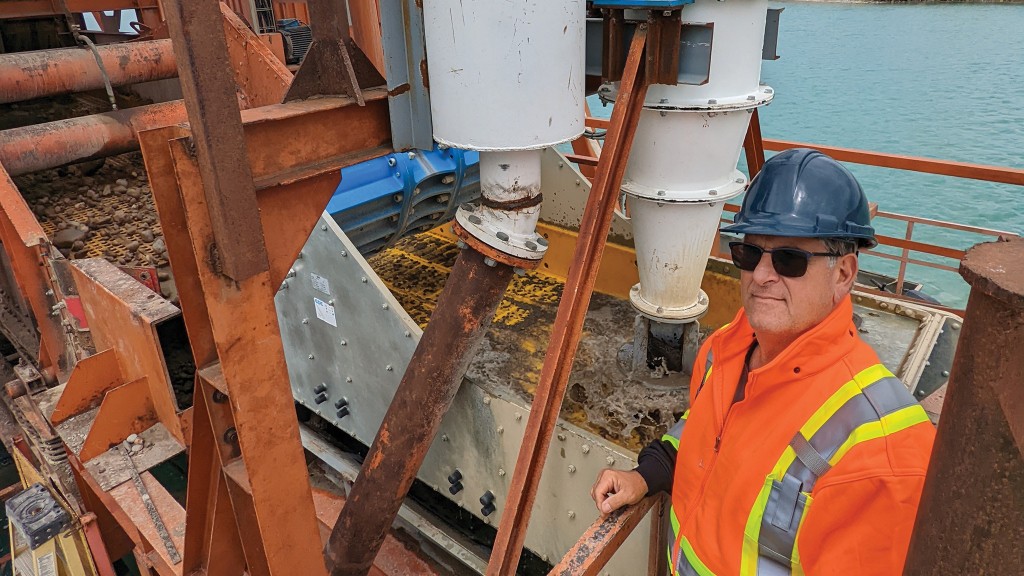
(938, 80)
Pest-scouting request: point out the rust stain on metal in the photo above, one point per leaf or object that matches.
(513, 205)
(457, 327)
(399, 90)
(423, 72)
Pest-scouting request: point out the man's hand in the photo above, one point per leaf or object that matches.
(617, 488)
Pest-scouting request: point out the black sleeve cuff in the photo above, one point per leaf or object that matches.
(656, 465)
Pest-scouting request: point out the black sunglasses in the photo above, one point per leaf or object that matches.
(788, 262)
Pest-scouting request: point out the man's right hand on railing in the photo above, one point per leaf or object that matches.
(617, 488)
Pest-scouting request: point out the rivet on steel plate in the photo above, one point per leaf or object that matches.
(305, 320)
(578, 182)
(501, 472)
(310, 356)
(501, 429)
(219, 397)
(572, 469)
(518, 417)
(444, 437)
(384, 306)
(412, 155)
(389, 368)
(324, 227)
(330, 302)
(344, 253)
(348, 379)
(363, 280)
(407, 334)
(956, 326)
(561, 437)
(571, 514)
(586, 449)
(561, 164)
(344, 342)
(49, 292)
(610, 461)
(945, 373)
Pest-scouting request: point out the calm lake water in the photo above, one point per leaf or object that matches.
(938, 80)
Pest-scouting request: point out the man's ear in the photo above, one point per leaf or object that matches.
(845, 275)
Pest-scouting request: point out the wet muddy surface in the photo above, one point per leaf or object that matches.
(601, 398)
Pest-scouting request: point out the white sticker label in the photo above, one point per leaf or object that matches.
(320, 283)
(325, 312)
(46, 565)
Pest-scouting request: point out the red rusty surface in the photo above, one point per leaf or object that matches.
(971, 517)
(602, 539)
(260, 76)
(457, 326)
(43, 146)
(572, 310)
(28, 75)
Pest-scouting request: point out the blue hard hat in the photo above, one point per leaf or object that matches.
(805, 194)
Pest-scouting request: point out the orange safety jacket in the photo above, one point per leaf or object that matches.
(817, 470)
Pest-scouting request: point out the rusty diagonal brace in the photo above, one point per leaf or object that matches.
(572, 310)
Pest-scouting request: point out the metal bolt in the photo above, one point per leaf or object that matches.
(712, 101)
(487, 400)
(661, 192)
(518, 416)
(586, 449)
(501, 472)
(344, 253)
(561, 164)
(501, 429)
(348, 379)
(572, 469)
(324, 227)
(219, 397)
(300, 255)
(389, 368)
(384, 306)
(519, 272)
(444, 437)
(392, 161)
(344, 342)
(502, 236)
(407, 334)
(530, 245)
(542, 241)
(461, 245)
(740, 180)
(448, 179)
(490, 261)
(610, 461)
(475, 220)
(49, 292)
(561, 437)
(363, 280)
(305, 320)
(330, 302)
(956, 326)
(751, 97)
(231, 435)
(571, 514)
(945, 373)
(310, 356)
(412, 155)
(713, 192)
(578, 182)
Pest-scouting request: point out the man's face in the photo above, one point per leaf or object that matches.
(787, 307)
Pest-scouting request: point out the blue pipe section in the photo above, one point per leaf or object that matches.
(384, 199)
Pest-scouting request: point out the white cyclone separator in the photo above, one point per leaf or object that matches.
(682, 167)
(506, 75)
(507, 177)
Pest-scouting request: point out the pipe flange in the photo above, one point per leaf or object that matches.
(489, 226)
(609, 92)
(727, 191)
(492, 252)
(668, 315)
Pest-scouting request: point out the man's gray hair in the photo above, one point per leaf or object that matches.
(839, 246)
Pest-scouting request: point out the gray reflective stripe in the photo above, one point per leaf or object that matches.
(809, 456)
(787, 498)
(676, 431)
(708, 361)
(683, 567)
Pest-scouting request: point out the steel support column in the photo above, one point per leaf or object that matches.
(572, 311)
(971, 518)
(209, 89)
(464, 312)
(28, 75)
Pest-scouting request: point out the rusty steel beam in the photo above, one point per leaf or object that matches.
(971, 517)
(44, 146)
(28, 75)
(201, 48)
(599, 543)
(34, 8)
(464, 312)
(753, 145)
(572, 311)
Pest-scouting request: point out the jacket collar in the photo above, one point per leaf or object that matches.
(818, 348)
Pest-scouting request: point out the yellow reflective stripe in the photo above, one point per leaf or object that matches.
(675, 523)
(752, 531)
(798, 570)
(694, 561)
(673, 440)
(889, 424)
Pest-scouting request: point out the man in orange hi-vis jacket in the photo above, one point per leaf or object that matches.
(800, 453)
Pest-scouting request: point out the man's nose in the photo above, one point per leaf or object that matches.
(765, 270)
